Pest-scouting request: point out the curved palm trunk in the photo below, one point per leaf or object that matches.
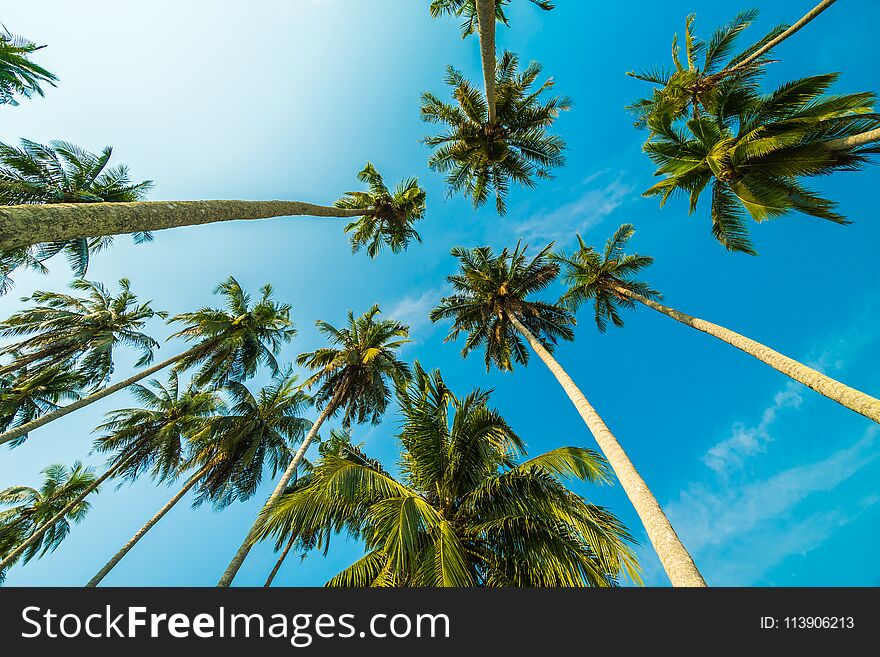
(280, 561)
(110, 565)
(815, 11)
(676, 560)
(855, 141)
(853, 399)
(27, 427)
(13, 556)
(24, 225)
(237, 560)
(486, 23)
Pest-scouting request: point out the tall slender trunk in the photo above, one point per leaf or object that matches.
(280, 561)
(853, 399)
(27, 427)
(676, 560)
(11, 558)
(241, 554)
(110, 565)
(24, 225)
(855, 141)
(815, 11)
(486, 23)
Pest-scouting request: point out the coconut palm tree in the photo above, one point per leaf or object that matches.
(482, 153)
(23, 226)
(466, 511)
(492, 306)
(45, 513)
(230, 345)
(61, 172)
(693, 85)
(158, 431)
(608, 280)
(79, 331)
(351, 377)
(753, 151)
(468, 10)
(388, 217)
(19, 76)
(25, 397)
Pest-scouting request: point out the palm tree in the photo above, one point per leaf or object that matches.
(388, 217)
(607, 279)
(483, 153)
(22, 226)
(158, 430)
(81, 331)
(62, 172)
(491, 306)
(753, 150)
(48, 511)
(353, 377)
(468, 9)
(230, 345)
(18, 74)
(692, 85)
(465, 511)
(25, 397)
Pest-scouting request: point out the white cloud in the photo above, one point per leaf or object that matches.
(413, 310)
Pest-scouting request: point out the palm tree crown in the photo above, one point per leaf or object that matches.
(596, 276)
(356, 371)
(237, 339)
(468, 10)
(464, 511)
(18, 74)
(389, 217)
(491, 288)
(253, 431)
(480, 158)
(31, 508)
(80, 331)
(25, 396)
(61, 172)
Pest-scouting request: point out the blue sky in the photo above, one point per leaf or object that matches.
(768, 483)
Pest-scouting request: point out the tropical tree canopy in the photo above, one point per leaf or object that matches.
(489, 289)
(388, 218)
(238, 339)
(752, 151)
(19, 76)
(25, 396)
(597, 276)
(356, 371)
(252, 431)
(466, 510)
(480, 158)
(61, 172)
(79, 331)
(468, 10)
(30, 508)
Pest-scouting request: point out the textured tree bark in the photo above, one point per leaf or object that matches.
(815, 11)
(21, 430)
(855, 141)
(10, 558)
(110, 565)
(241, 554)
(486, 23)
(853, 399)
(24, 225)
(280, 561)
(676, 561)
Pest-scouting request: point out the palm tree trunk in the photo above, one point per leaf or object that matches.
(845, 143)
(24, 225)
(815, 11)
(192, 481)
(853, 399)
(486, 23)
(241, 554)
(280, 561)
(676, 560)
(27, 427)
(11, 558)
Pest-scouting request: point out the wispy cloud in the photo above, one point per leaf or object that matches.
(413, 310)
(594, 204)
